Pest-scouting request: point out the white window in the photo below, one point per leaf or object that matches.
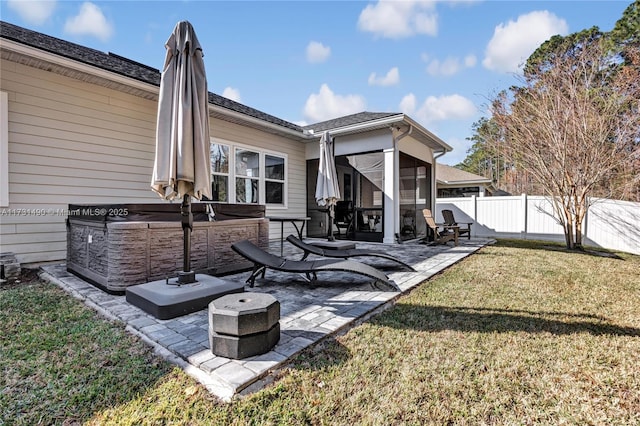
(274, 179)
(247, 175)
(220, 172)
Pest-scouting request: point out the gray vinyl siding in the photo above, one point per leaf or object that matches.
(73, 142)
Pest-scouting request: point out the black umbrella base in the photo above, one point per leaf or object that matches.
(166, 301)
(186, 278)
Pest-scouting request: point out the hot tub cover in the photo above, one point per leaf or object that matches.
(162, 212)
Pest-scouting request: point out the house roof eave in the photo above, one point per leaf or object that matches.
(464, 182)
(392, 121)
(243, 119)
(437, 144)
(84, 64)
(448, 175)
(362, 127)
(42, 59)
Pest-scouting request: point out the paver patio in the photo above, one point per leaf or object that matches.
(309, 311)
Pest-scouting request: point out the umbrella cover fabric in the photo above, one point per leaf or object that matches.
(182, 164)
(327, 189)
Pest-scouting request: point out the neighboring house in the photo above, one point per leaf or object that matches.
(77, 126)
(452, 183)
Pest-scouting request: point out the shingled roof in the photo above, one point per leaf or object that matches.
(122, 66)
(349, 120)
(227, 109)
(451, 175)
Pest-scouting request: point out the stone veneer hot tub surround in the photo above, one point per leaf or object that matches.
(107, 249)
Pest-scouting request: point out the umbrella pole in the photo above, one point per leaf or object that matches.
(330, 236)
(187, 276)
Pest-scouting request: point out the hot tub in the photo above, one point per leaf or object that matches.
(118, 245)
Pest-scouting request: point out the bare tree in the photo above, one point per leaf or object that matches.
(573, 126)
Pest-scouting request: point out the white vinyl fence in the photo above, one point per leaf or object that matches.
(610, 224)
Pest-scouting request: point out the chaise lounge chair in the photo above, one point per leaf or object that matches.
(451, 221)
(341, 254)
(263, 261)
(443, 236)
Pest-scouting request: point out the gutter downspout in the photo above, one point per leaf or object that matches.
(402, 135)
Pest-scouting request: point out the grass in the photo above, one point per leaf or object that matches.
(519, 333)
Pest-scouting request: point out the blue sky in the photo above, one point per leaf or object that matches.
(305, 62)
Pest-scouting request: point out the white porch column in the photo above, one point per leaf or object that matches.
(391, 188)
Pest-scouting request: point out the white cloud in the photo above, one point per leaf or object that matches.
(317, 52)
(450, 65)
(451, 107)
(390, 79)
(426, 23)
(89, 21)
(470, 61)
(434, 109)
(398, 19)
(408, 104)
(34, 12)
(512, 43)
(326, 105)
(231, 93)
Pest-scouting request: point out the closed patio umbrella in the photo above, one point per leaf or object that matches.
(327, 189)
(182, 166)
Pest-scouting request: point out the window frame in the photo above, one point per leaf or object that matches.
(227, 174)
(282, 181)
(237, 176)
(262, 179)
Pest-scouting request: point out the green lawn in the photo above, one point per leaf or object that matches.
(518, 333)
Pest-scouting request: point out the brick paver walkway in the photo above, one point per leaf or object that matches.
(309, 311)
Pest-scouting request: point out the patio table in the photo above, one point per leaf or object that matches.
(293, 221)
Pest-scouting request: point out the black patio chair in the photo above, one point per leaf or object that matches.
(263, 260)
(344, 217)
(341, 254)
(409, 223)
(450, 220)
